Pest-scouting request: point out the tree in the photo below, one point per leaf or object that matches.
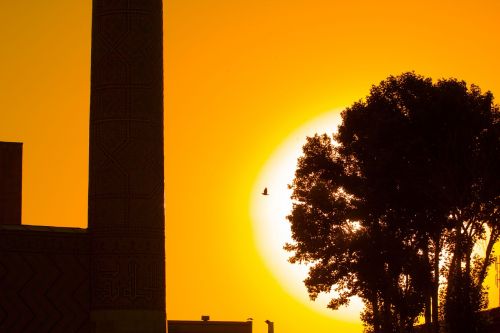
(404, 184)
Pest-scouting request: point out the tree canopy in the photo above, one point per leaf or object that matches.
(408, 183)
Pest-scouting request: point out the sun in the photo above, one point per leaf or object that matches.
(271, 228)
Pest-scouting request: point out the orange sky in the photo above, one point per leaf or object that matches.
(240, 76)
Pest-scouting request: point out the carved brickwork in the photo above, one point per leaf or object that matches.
(126, 190)
(44, 280)
(128, 272)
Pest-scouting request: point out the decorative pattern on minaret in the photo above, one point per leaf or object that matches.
(126, 186)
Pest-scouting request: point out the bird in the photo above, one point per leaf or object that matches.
(265, 192)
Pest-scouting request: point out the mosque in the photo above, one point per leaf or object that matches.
(109, 277)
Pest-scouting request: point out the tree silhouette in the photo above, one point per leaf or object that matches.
(409, 180)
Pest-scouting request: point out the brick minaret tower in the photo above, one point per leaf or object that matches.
(126, 182)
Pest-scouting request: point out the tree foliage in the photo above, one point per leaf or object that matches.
(409, 179)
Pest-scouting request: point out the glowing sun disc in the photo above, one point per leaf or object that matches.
(271, 228)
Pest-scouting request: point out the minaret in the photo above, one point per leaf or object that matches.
(126, 182)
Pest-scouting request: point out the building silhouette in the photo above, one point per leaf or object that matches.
(111, 276)
(10, 182)
(209, 326)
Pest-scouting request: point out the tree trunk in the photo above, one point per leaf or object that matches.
(387, 326)
(376, 315)
(435, 286)
(454, 292)
(428, 296)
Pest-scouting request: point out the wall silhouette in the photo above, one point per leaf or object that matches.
(44, 279)
(209, 326)
(10, 182)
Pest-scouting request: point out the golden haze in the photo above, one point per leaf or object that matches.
(239, 77)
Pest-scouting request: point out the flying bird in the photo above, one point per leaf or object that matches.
(265, 192)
